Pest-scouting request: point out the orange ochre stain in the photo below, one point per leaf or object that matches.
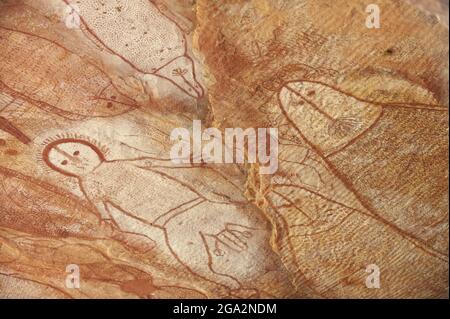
(140, 287)
(11, 152)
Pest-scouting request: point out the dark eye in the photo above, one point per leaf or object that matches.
(109, 105)
(76, 153)
(64, 162)
(310, 93)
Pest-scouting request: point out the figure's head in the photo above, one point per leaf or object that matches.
(309, 90)
(72, 157)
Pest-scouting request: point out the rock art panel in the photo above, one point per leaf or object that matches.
(92, 91)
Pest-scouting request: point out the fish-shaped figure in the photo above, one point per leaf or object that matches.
(144, 37)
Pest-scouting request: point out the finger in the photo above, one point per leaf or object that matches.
(231, 241)
(242, 235)
(237, 239)
(240, 229)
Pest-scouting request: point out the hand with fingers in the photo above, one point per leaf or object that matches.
(234, 237)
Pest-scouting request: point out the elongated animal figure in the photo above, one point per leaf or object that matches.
(144, 37)
(61, 83)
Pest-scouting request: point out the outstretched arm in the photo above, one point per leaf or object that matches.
(147, 162)
(197, 176)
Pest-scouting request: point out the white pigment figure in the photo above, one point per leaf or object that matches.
(190, 221)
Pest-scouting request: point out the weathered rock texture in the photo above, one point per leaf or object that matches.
(90, 92)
